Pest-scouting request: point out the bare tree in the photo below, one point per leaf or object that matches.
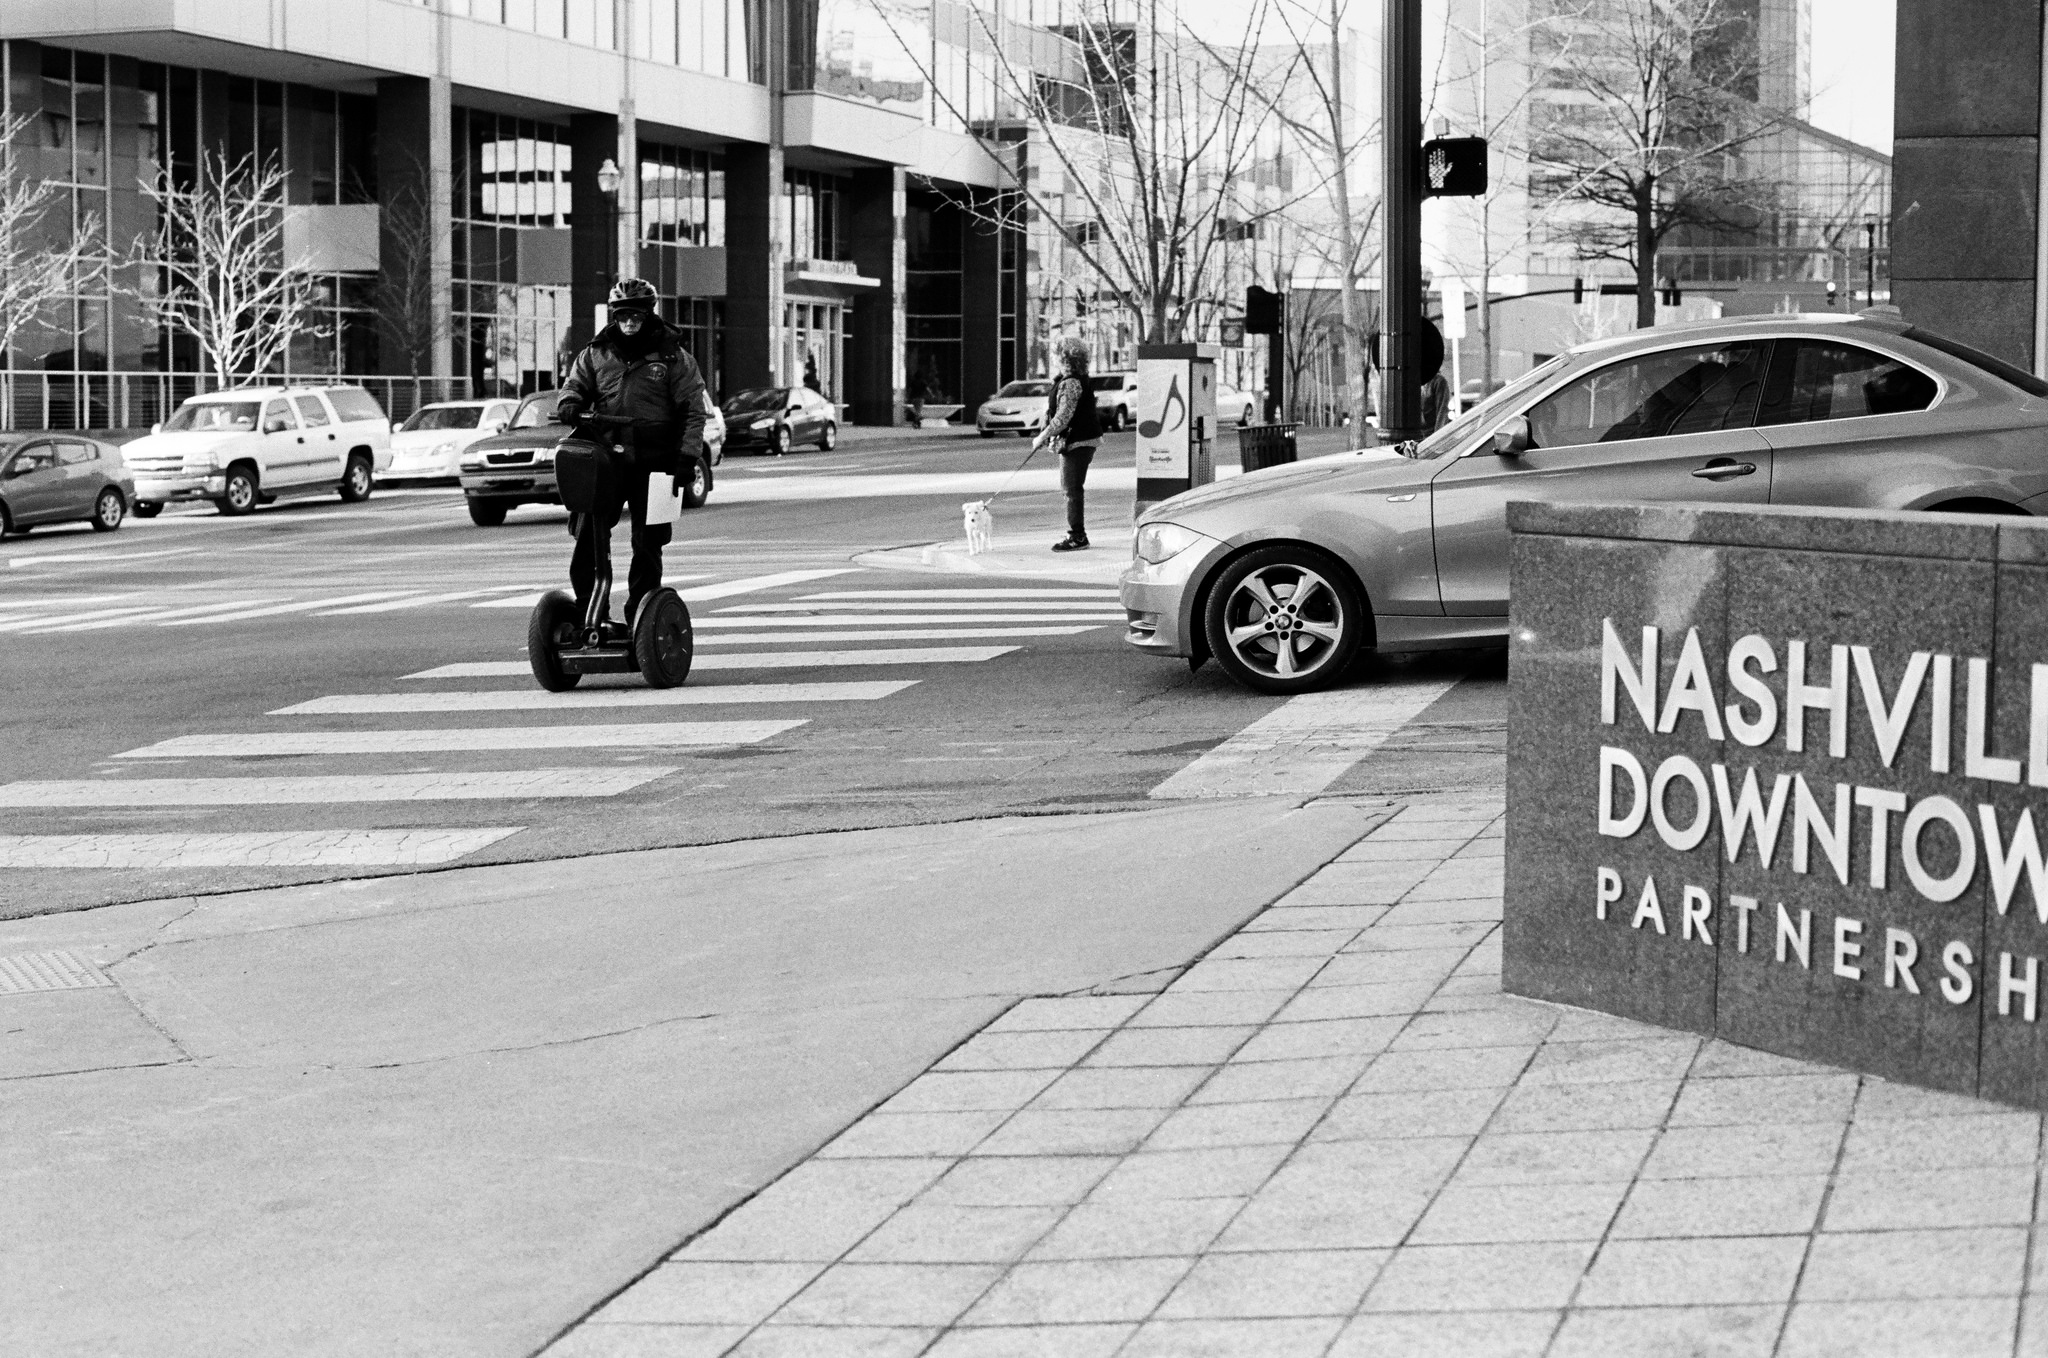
(34, 273)
(1144, 129)
(414, 327)
(1665, 101)
(222, 276)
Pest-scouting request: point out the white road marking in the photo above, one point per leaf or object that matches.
(1098, 595)
(1304, 745)
(331, 789)
(896, 620)
(306, 606)
(283, 849)
(753, 584)
(52, 619)
(964, 605)
(651, 735)
(899, 634)
(779, 660)
(152, 615)
(422, 601)
(81, 559)
(62, 600)
(535, 699)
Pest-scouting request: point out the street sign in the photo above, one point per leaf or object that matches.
(1453, 292)
(1232, 333)
(1454, 167)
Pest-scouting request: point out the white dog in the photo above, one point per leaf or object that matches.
(981, 526)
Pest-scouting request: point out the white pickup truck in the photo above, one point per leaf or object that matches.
(243, 448)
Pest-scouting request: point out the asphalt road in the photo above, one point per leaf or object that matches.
(450, 1112)
(314, 617)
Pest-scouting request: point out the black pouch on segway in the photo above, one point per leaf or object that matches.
(580, 468)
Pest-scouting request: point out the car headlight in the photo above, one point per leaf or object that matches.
(1159, 542)
(443, 449)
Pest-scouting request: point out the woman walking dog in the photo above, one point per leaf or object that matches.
(1071, 430)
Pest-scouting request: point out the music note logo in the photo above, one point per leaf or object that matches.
(1152, 429)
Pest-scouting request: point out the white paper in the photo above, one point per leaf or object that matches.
(664, 500)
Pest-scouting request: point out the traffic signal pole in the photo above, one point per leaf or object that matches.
(1401, 257)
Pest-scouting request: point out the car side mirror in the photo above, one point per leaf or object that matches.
(1512, 438)
(157, 428)
(397, 425)
(498, 426)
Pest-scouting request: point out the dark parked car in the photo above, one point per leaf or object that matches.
(517, 467)
(777, 419)
(62, 478)
(1284, 574)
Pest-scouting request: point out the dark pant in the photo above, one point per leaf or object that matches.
(1074, 481)
(626, 488)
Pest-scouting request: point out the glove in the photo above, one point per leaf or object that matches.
(569, 410)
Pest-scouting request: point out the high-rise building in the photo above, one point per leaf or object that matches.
(797, 177)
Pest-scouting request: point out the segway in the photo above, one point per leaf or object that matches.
(563, 647)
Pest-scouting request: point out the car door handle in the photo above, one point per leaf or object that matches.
(302, 438)
(1721, 469)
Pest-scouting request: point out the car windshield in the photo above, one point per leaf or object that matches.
(205, 416)
(1026, 389)
(1455, 433)
(445, 417)
(1977, 358)
(1107, 382)
(537, 411)
(757, 398)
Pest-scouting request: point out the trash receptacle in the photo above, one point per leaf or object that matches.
(1265, 445)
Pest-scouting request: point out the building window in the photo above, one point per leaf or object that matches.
(812, 206)
(511, 195)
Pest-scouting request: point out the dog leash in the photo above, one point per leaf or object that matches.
(1011, 477)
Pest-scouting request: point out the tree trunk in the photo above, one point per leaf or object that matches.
(1350, 332)
(1646, 253)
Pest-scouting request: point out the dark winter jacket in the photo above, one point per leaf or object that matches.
(660, 391)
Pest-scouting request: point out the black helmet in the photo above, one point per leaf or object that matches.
(632, 294)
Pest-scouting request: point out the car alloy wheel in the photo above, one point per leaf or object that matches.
(1284, 620)
(239, 495)
(356, 481)
(830, 438)
(782, 440)
(108, 510)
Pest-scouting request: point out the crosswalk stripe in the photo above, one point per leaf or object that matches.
(899, 634)
(51, 619)
(283, 849)
(535, 699)
(1305, 744)
(306, 606)
(394, 605)
(1020, 605)
(152, 615)
(649, 735)
(13, 604)
(893, 620)
(777, 660)
(331, 789)
(1102, 595)
(79, 557)
(756, 583)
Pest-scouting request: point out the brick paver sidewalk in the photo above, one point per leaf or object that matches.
(1335, 1136)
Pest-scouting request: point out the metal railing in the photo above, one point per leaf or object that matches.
(31, 401)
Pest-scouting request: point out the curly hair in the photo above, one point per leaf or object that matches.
(1074, 354)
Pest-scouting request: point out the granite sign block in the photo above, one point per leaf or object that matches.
(1779, 775)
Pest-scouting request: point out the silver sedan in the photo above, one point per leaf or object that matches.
(1284, 575)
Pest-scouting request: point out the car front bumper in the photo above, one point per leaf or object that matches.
(522, 483)
(420, 466)
(1158, 601)
(1022, 423)
(209, 485)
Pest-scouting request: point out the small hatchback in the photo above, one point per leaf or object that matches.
(62, 478)
(1284, 574)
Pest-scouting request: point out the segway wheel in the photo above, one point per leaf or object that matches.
(662, 642)
(552, 618)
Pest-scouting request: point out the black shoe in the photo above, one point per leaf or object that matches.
(1072, 542)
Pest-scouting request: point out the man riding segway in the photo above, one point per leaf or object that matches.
(636, 401)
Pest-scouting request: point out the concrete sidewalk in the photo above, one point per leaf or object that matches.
(1333, 1135)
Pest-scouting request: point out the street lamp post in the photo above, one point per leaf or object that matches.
(608, 178)
(1870, 261)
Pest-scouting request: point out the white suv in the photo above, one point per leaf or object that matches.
(243, 448)
(1116, 398)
